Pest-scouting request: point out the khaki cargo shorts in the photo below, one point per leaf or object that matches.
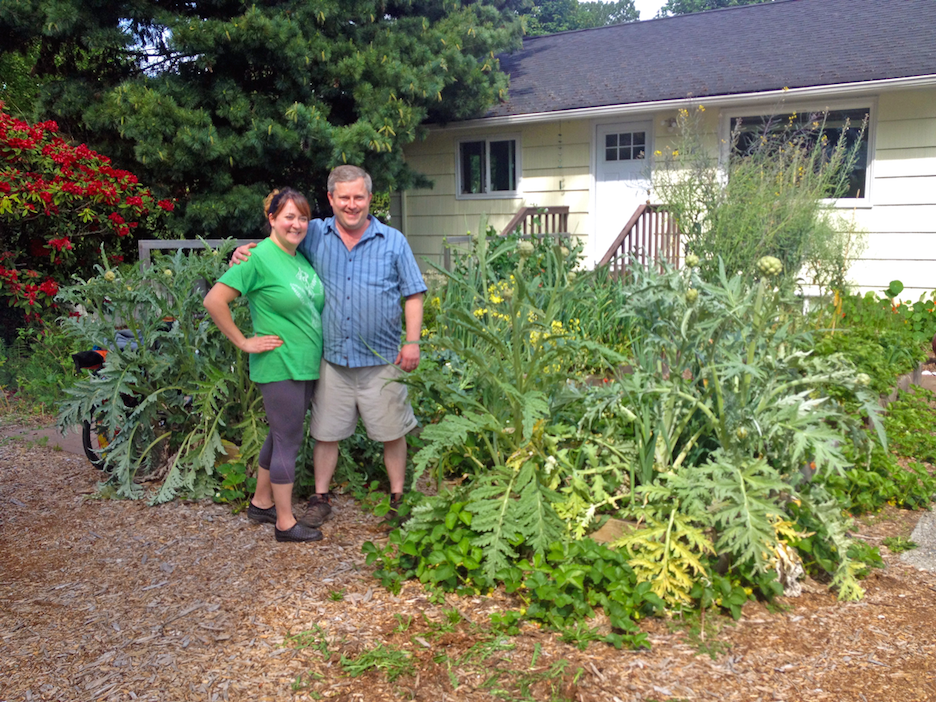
(344, 394)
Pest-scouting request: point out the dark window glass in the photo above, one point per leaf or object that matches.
(611, 154)
(473, 173)
(813, 126)
(503, 165)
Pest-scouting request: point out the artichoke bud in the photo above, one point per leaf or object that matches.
(770, 266)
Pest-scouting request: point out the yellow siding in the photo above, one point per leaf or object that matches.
(903, 163)
(901, 222)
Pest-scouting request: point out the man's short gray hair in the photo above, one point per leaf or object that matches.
(345, 174)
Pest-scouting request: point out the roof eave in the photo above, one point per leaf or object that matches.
(837, 90)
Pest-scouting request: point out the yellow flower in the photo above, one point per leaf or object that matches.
(701, 108)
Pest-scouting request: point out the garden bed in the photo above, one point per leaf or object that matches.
(114, 600)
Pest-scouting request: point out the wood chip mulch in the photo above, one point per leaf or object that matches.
(114, 600)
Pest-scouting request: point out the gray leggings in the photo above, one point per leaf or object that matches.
(286, 403)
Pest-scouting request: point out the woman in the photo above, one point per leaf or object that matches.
(286, 298)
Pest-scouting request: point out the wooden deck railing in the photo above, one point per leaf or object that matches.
(530, 221)
(650, 237)
(539, 220)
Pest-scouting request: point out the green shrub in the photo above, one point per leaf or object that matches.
(169, 401)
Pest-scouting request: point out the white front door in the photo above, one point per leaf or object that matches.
(622, 179)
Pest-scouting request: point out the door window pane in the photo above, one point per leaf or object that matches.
(631, 146)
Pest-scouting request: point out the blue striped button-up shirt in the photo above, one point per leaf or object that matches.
(362, 319)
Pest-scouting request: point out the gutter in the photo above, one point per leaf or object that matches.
(836, 91)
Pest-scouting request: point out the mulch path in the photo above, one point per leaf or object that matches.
(114, 600)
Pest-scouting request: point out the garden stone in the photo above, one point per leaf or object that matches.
(924, 535)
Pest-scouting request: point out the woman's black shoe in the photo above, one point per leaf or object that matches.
(260, 514)
(298, 532)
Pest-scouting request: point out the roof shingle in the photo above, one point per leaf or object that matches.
(754, 48)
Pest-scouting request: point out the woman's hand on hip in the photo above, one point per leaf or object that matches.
(259, 344)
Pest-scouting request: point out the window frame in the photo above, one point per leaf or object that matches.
(488, 194)
(762, 109)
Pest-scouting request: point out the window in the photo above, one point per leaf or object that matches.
(813, 125)
(488, 167)
(625, 146)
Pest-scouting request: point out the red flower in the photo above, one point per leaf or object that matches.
(167, 205)
(135, 201)
(49, 287)
(115, 218)
(63, 244)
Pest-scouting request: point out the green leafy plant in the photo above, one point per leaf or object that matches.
(725, 408)
(390, 659)
(236, 486)
(41, 368)
(899, 544)
(178, 390)
(501, 319)
(909, 424)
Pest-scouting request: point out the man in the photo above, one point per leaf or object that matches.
(365, 267)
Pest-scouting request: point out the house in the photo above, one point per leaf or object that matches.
(587, 110)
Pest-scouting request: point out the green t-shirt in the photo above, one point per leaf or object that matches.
(286, 298)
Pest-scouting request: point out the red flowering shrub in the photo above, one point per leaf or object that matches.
(59, 204)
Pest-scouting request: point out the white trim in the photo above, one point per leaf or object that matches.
(611, 112)
(871, 103)
(496, 194)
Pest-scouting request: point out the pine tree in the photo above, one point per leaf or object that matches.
(686, 7)
(551, 16)
(215, 102)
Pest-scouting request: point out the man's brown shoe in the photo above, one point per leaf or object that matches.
(318, 511)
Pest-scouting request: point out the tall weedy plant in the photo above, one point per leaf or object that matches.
(768, 195)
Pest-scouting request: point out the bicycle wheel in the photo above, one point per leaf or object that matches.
(94, 441)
